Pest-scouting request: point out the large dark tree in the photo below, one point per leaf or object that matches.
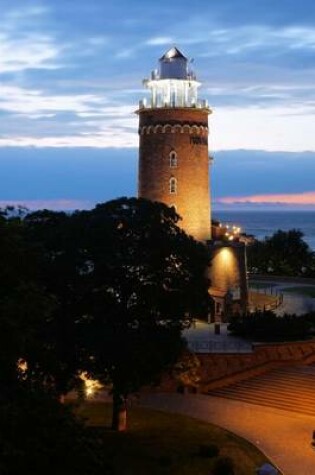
(125, 281)
(24, 304)
(37, 433)
(146, 281)
(57, 361)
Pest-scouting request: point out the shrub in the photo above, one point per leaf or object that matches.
(267, 326)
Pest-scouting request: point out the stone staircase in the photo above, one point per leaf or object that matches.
(288, 388)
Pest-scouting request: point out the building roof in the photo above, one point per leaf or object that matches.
(172, 54)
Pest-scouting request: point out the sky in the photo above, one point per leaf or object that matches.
(71, 77)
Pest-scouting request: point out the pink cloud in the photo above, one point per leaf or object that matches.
(306, 198)
(56, 205)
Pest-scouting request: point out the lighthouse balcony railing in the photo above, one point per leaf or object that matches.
(155, 76)
(201, 104)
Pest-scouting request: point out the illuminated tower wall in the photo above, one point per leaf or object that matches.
(173, 155)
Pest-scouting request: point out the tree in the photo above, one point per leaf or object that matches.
(23, 302)
(36, 305)
(267, 326)
(145, 280)
(37, 433)
(57, 361)
(284, 253)
(124, 280)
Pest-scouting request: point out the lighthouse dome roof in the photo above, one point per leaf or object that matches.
(173, 65)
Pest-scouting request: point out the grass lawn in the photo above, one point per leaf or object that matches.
(158, 443)
(307, 291)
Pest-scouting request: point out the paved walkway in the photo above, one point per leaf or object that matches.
(283, 436)
(201, 338)
(292, 302)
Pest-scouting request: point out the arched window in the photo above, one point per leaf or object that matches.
(173, 186)
(173, 159)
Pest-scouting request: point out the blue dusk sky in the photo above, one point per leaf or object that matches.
(71, 77)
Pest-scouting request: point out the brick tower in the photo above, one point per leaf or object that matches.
(173, 155)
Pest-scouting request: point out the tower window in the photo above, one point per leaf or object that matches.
(173, 186)
(173, 159)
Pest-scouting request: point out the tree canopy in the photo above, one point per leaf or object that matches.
(145, 280)
(284, 253)
(267, 326)
(37, 433)
(110, 291)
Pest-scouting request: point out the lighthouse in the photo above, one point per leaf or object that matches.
(174, 168)
(173, 152)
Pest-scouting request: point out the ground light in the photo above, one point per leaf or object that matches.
(91, 386)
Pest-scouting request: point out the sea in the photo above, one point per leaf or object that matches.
(265, 223)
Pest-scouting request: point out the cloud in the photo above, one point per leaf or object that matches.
(31, 52)
(98, 40)
(111, 138)
(73, 90)
(81, 120)
(275, 128)
(305, 198)
(268, 94)
(34, 101)
(78, 120)
(297, 37)
(57, 205)
(126, 53)
(29, 12)
(24, 44)
(160, 41)
(245, 38)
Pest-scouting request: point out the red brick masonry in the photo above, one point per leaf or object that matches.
(184, 131)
